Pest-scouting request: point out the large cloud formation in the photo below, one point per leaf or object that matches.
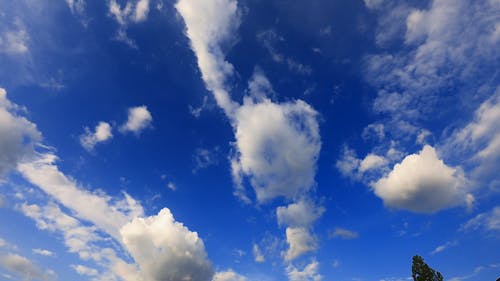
(277, 144)
(422, 183)
(278, 147)
(162, 248)
(166, 250)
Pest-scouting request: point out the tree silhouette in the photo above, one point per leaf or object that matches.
(420, 271)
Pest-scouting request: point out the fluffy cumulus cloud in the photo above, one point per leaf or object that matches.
(139, 118)
(101, 133)
(422, 183)
(300, 241)
(278, 146)
(18, 136)
(301, 213)
(165, 249)
(24, 268)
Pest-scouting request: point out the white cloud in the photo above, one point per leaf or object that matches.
(300, 241)
(376, 130)
(101, 133)
(480, 139)
(165, 249)
(78, 238)
(302, 213)
(132, 11)
(422, 183)
(371, 4)
(344, 233)
(18, 136)
(208, 25)
(139, 118)
(372, 161)
(257, 253)
(278, 146)
(43, 252)
(107, 214)
(162, 248)
(76, 6)
(85, 270)
(141, 10)
(488, 221)
(24, 268)
(362, 169)
(171, 186)
(348, 163)
(442, 50)
(308, 273)
(443, 247)
(14, 42)
(228, 276)
(205, 157)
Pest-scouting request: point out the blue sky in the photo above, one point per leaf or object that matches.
(249, 140)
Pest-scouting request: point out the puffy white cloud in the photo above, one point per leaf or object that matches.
(24, 268)
(208, 25)
(308, 273)
(488, 221)
(228, 276)
(139, 118)
(362, 169)
(257, 253)
(101, 133)
(165, 249)
(302, 213)
(422, 183)
(277, 147)
(300, 241)
(107, 214)
(18, 136)
(85, 270)
(43, 252)
(344, 233)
